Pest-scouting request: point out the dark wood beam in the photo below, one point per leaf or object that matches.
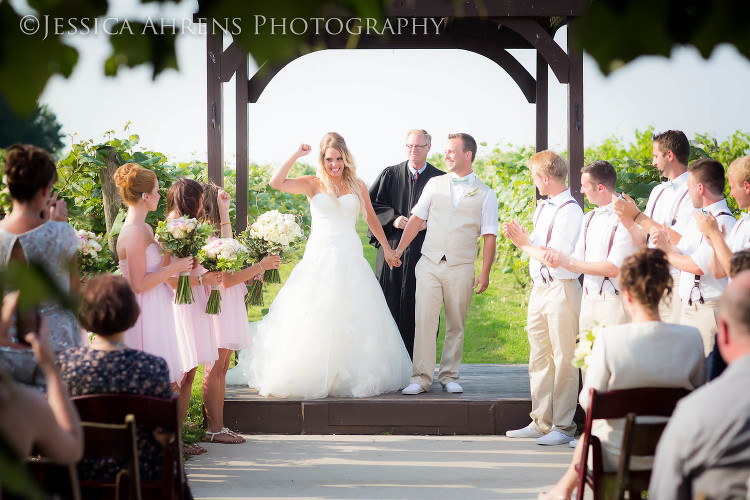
(575, 112)
(231, 59)
(543, 42)
(241, 150)
(214, 109)
(542, 103)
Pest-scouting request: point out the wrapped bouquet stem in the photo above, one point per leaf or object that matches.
(183, 237)
(221, 254)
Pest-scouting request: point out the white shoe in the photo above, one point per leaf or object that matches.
(573, 443)
(412, 389)
(526, 432)
(554, 438)
(453, 388)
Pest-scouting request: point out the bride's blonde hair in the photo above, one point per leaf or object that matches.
(349, 176)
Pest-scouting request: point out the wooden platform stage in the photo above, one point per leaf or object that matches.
(495, 398)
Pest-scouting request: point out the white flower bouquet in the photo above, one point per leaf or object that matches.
(183, 237)
(584, 346)
(272, 233)
(221, 254)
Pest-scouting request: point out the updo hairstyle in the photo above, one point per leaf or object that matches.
(28, 169)
(645, 274)
(134, 180)
(108, 305)
(184, 198)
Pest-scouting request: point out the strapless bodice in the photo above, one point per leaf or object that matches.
(153, 260)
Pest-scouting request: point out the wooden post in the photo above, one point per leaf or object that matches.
(575, 111)
(241, 166)
(110, 196)
(215, 103)
(542, 103)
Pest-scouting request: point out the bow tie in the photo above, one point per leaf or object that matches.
(462, 180)
(603, 210)
(669, 184)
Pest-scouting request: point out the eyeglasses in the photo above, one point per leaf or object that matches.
(416, 146)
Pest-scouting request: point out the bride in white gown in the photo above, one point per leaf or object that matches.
(329, 331)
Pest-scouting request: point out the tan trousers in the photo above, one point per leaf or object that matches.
(603, 310)
(705, 318)
(552, 326)
(671, 311)
(438, 285)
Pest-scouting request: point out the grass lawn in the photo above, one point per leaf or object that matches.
(495, 326)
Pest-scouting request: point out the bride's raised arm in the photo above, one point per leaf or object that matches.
(298, 185)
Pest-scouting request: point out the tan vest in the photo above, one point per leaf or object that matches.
(452, 232)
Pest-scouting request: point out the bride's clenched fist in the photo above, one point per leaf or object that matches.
(303, 149)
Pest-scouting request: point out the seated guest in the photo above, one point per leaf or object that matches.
(108, 308)
(27, 419)
(644, 353)
(705, 449)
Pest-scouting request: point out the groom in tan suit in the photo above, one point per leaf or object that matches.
(458, 208)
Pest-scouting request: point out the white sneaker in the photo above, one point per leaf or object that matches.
(573, 443)
(554, 438)
(526, 432)
(412, 389)
(453, 388)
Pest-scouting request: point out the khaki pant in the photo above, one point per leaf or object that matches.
(603, 310)
(670, 309)
(552, 325)
(705, 318)
(438, 285)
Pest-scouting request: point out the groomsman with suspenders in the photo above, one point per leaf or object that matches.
(554, 304)
(738, 176)
(603, 243)
(667, 204)
(700, 290)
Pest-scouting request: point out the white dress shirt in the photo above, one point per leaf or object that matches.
(565, 230)
(601, 222)
(695, 245)
(739, 237)
(458, 191)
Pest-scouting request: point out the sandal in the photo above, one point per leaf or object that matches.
(193, 449)
(235, 438)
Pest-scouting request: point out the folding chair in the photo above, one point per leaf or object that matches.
(148, 411)
(60, 481)
(645, 401)
(117, 442)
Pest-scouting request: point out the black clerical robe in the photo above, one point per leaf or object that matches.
(395, 193)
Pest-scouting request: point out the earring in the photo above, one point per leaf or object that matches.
(143, 195)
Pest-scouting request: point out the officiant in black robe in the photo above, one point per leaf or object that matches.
(393, 194)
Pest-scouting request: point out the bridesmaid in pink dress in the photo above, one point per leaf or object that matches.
(141, 264)
(232, 327)
(195, 329)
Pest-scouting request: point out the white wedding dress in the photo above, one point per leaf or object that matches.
(329, 331)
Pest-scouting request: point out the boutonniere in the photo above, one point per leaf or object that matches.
(471, 193)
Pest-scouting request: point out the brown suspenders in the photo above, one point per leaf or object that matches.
(697, 278)
(609, 249)
(549, 235)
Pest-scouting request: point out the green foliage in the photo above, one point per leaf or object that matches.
(41, 128)
(612, 31)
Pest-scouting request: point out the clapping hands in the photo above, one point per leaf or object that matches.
(660, 237)
(516, 233)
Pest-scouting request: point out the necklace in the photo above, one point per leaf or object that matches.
(119, 346)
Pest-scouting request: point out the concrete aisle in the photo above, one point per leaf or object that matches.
(376, 467)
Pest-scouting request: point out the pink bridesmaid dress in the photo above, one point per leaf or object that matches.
(195, 329)
(232, 327)
(154, 332)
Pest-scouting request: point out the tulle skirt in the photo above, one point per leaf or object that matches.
(195, 331)
(231, 325)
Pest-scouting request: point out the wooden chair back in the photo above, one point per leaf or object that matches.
(644, 401)
(639, 440)
(59, 481)
(148, 411)
(117, 442)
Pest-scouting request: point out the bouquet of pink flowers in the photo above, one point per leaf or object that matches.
(183, 237)
(271, 233)
(221, 254)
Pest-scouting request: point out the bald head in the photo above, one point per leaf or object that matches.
(734, 318)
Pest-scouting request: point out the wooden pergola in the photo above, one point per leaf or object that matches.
(486, 27)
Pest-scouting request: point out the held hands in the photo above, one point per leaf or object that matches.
(390, 257)
(625, 207)
(270, 262)
(660, 237)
